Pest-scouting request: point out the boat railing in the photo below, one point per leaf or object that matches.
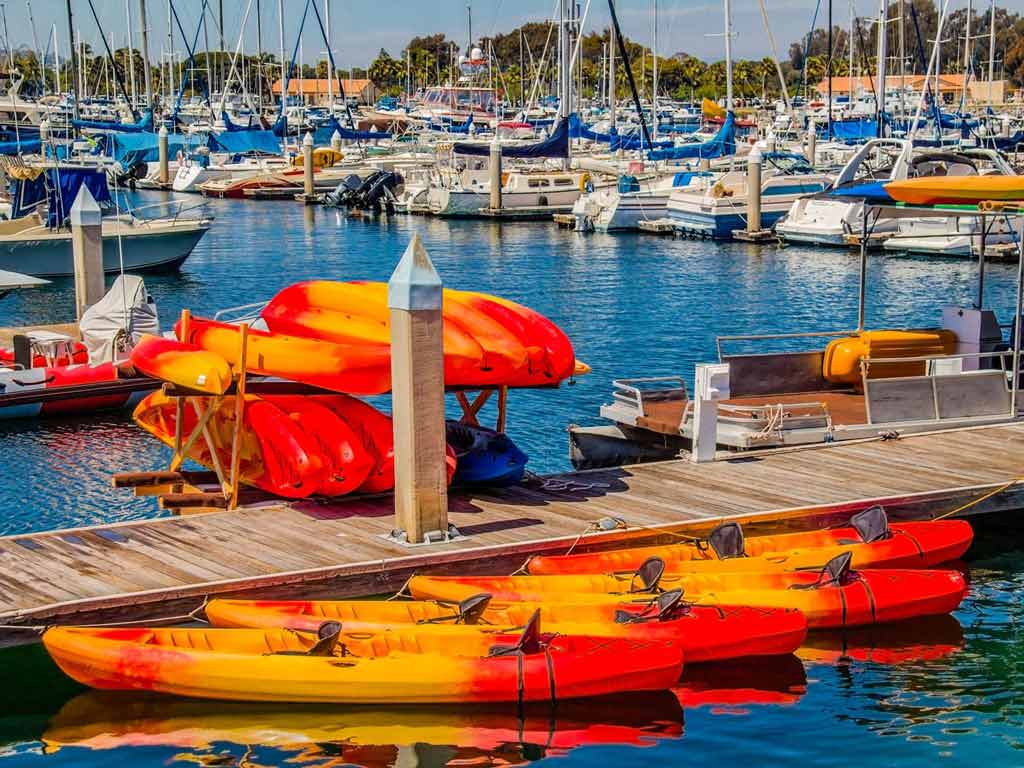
(175, 210)
(633, 394)
(240, 314)
(867, 361)
(721, 340)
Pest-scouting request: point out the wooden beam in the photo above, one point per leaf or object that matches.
(200, 428)
(236, 437)
(499, 424)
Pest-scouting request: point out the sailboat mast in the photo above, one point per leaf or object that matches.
(611, 73)
(131, 51)
(903, 56)
(728, 55)
(849, 79)
(74, 60)
(330, 54)
(280, 34)
(56, 60)
(35, 42)
(654, 75)
(991, 51)
(880, 89)
(967, 55)
(828, 71)
(144, 28)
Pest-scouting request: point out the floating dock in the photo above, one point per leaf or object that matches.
(164, 568)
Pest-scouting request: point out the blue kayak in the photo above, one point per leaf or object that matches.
(483, 456)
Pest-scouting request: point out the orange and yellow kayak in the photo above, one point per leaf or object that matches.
(705, 633)
(908, 545)
(183, 364)
(291, 446)
(361, 667)
(964, 190)
(861, 598)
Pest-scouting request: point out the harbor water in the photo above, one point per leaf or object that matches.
(944, 692)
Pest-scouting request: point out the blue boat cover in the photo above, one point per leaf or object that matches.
(555, 145)
(452, 128)
(721, 144)
(21, 147)
(683, 178)
(870, 191)
(26, 194)
(63, 185)
(280, 126)
(131, 148)
(144, 123)
(323, 134)
(239, 142)
(854, 130)
(578, 130)
(230, 125)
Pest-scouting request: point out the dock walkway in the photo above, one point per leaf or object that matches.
(165, 567)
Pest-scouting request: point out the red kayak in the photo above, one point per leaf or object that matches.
(873, 542)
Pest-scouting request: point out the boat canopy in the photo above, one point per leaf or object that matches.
(555, 145)
(24, 147)
(721, 144)
(870, 191)
(239, 142)
(854, 130)
(615, 140)
(325, 132)
(230, 125)
(63, 185)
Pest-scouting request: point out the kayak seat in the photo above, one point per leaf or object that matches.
(529, 640)
(727, 541)
(471, 610)
(327, 637)
(665, 607)
(835, 573)
(649, 574)
(872, 524)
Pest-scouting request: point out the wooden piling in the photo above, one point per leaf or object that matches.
(417, 394)
(87, 250)
(307, 165)
(165, 174)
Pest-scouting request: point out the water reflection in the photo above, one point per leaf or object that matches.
(218, 733)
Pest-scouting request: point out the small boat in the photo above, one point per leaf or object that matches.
(869, 538)
(956, 190)
(362, 667)
(705, 633)
(834, 597)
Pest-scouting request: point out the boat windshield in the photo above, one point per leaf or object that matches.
(878, 164)
(788, 163)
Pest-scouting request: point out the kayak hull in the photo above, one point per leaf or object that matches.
(376, 668)
(953, 190)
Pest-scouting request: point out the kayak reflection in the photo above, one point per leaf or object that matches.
(925, 639)
(375, 738)
(764, 680)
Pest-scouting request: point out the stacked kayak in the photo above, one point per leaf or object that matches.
(835, 597)
(336, 666)
(870, 539)
(337, 336)
(296, 446)
(705, 633)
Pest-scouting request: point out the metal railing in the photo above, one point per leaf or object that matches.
(240, 314)
(777, 336)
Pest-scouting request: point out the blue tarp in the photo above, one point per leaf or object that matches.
(26, 194)
(1003, 143)
(145, 123)
(854, 130)
(870, 191)
(20, 147)
(280, 126)
(451, 128)
(242, 141)
(63, 186)
(323, 134)
(578, 130)
(722, 144)
(131, 148)
(555, 145)
(229, 125)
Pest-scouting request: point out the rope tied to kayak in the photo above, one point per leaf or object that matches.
(983, 497)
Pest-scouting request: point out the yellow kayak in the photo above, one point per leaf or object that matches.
(362, 667)
(964, 190)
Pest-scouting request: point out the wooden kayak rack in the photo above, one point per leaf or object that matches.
(186, 492)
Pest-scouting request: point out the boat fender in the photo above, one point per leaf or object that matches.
(727, 541)
(872, 524)
(585, 183)
(649, 573)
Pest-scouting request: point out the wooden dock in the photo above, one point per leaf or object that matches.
(164, 568)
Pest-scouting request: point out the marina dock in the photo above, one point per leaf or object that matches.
(163, 569)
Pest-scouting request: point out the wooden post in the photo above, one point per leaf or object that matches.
(236, 438)
(417, 396)
(87, 250)
(165, 175)
(754, 190)
(812, 141)
(495, 169)
(307, 165)
(336, 141)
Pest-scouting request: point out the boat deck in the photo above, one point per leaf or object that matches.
(164, 568)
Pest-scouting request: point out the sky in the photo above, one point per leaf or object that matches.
(360, 28)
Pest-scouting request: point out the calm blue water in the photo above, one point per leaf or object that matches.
(942, 693)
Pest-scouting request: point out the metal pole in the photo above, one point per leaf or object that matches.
(611, 73)
(967, 55)
(991, 51)
(862, 295)
(828, 74)
(880, 90)
(131, 53)
(980, 302)
(143, 26)
(56, 60)
(220, 18)
(330, 74)
(280, 35)
(654, 75)
(728, 56)
(1017, 321)
(35, 42)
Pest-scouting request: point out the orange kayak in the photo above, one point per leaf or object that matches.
(900, 545)
(964, 190)
(835, 597)
(705, 633)
(183, 364)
